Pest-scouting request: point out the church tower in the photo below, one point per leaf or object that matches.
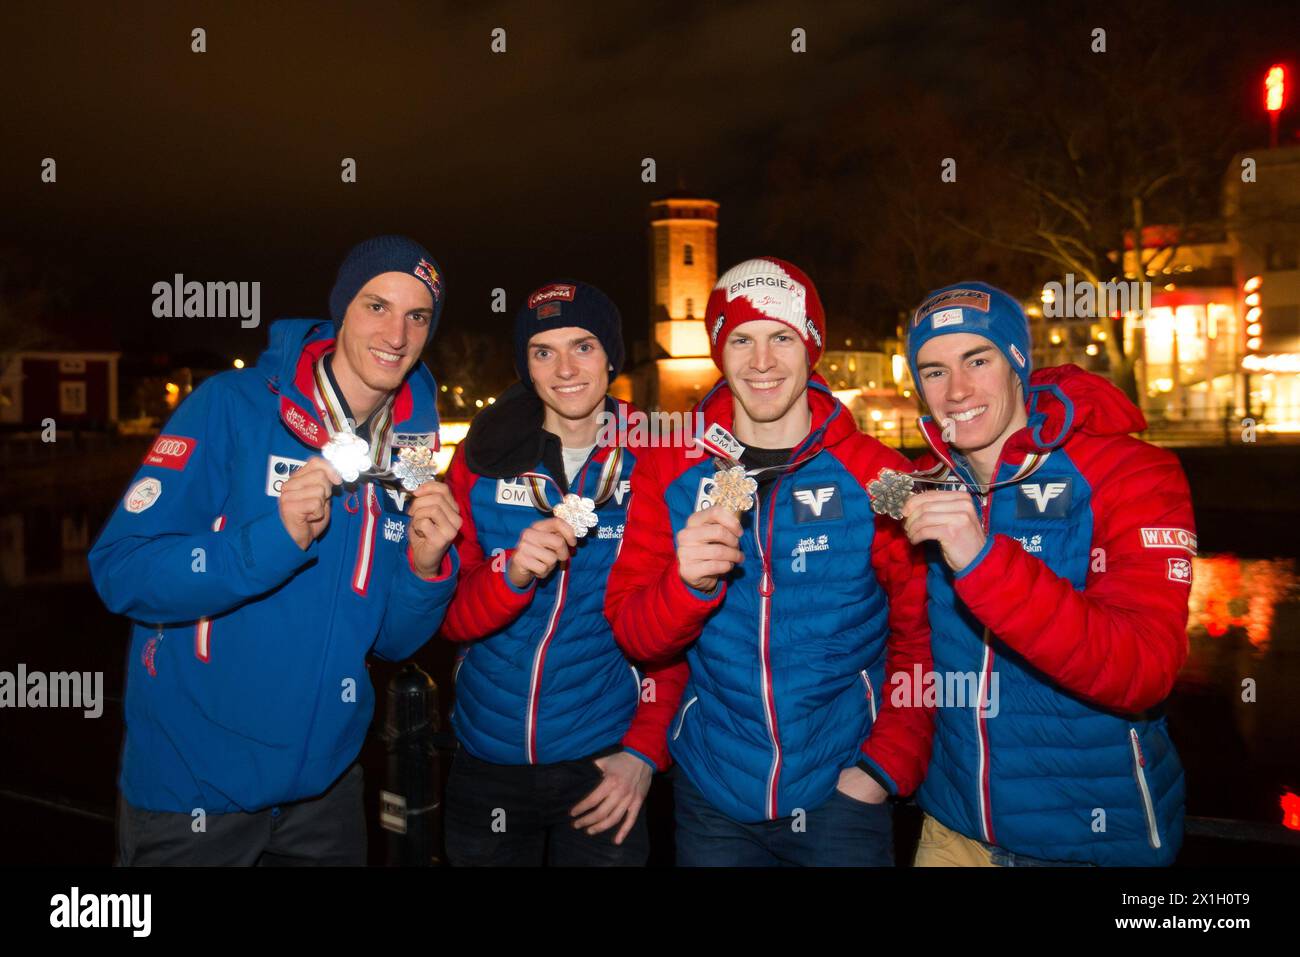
(683, 269)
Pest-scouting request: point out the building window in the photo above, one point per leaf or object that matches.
(1279, 258)
(690, 305)
(72, 398)
(73, 366)
(690, 255)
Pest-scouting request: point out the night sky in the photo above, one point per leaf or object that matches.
(512, 168)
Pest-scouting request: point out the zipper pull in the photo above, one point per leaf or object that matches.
(1137, 747)
(765, 584)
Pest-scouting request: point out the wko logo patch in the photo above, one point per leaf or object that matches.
(171, 451)
(1044, 499)
(818, 503)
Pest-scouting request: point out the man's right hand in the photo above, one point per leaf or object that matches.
(708, 547)
(542, 546)
(305, 501)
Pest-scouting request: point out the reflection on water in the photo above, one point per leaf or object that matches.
(46, 546)
(1230, 592)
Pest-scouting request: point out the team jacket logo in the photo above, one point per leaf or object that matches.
(1180, 570)
(1046, 499)
(946, 317)
(301, 424)
(1169, 538)
(818, 503)
(393, 529)
(279, 470)
(555, 291)
(513, 492)
(721, 442)
(142, 495)
(171, 451)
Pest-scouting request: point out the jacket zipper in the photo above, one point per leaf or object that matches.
(203, 630)
(1139, 770)
(765, 589)
(636, 679)
(681, 718)
(539, 660)
(871, 694)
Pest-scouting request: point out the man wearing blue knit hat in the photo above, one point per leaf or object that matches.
(284, 526)
(1060, 569)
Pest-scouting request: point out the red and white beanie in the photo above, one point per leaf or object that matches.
(765, 288)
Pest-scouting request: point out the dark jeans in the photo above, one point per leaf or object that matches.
(841, 832)
(518, 815)
(329, 829)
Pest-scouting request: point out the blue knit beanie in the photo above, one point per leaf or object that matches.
(382, 254)
(560, 304)
(978, 308)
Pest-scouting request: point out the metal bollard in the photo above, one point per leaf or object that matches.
(409, 808)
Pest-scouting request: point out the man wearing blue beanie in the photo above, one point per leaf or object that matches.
(284, 526)
(1060, 570)
(555, 755)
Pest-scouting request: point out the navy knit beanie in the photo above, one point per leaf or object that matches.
(382, 254)
(560, 304)
(978, 308)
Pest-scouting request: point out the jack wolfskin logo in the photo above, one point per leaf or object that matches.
(1046, 499)
(818, 503)
(1180, 570)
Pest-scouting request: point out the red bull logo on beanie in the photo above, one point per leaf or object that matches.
(556, 291)
(427, 273)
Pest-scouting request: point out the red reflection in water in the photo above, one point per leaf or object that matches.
(1290, 811)
(1229, 592)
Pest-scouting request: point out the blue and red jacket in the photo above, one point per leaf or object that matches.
(1074, 618)
(246, 681)
(541, 679)
(790, 655)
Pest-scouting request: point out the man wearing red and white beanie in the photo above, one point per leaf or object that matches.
(795, 604)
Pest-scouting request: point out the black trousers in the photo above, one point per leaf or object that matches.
(518, 815)
(325, 830)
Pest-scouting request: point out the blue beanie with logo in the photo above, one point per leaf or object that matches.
(558, 305)
(977, 308)
(382, 254)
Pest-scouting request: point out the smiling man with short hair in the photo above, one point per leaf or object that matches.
(796, 610)
(1059, 574)
(259, 577)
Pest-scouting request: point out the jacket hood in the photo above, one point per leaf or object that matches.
(294, 344)
(1064, 401)
(507, 438)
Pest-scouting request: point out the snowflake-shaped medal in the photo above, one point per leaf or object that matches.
(890, 492)
(578, 511)
(414, 466)
(348, 453)
(732, 489)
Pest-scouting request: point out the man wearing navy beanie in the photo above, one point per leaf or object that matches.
(1060, 569)
(559, 732)
(284, 527)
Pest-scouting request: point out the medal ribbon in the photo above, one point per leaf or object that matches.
(381, 430)
(605, 484)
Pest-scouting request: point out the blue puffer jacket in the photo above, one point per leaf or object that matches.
(790, 657)
(246, 682)
(541, 679)
(1070, 628)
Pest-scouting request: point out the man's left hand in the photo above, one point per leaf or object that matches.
(948, 518)
(435, 521)
(618, 797)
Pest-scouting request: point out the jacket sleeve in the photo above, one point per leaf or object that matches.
(415, 606)
(647, 736)
(1121, 640)
(164, 562)
(654, 614)
(898, 746)
(485, 600)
